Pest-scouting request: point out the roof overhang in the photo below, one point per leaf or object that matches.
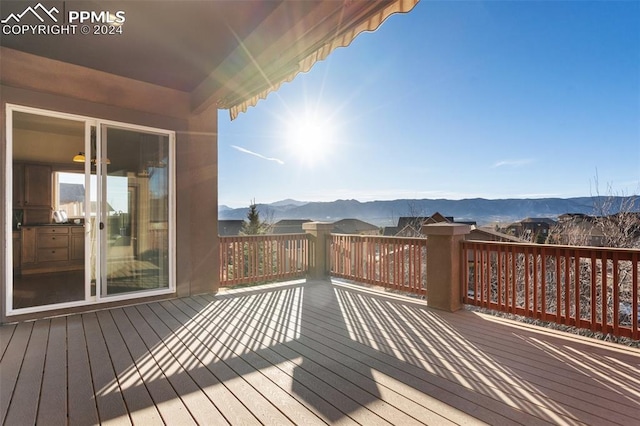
(223, 53)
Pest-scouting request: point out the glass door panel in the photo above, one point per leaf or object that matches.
(47, 249)
(134, 210)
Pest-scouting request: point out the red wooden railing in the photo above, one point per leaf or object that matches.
(586, 287)
(391, 262)
(262, 258)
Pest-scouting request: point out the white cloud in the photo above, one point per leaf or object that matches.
(513, 163)
(255, 154)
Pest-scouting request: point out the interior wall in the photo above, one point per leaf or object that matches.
(35, 146)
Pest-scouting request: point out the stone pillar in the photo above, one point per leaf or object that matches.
(318, 260)
(443, 264)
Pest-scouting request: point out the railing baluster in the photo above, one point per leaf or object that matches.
(514, 279)
(604, 293)
(577, 289)
(567, 287)
(616, 293)
(635, 312)
(594, 292)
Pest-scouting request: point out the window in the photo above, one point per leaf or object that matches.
(69, 193)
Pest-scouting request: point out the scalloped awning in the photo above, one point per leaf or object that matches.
(336, 27)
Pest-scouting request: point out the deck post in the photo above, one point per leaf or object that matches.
(443, 264)
(318, 258)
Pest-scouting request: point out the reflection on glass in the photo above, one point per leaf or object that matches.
(48, 258)
(135, 211)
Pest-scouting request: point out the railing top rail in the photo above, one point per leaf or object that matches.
(292, 235)
(550, 246)
(382, 237)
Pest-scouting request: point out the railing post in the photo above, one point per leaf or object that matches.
(318, 234)
(443, 264)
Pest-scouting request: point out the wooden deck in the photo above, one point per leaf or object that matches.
(308, 353)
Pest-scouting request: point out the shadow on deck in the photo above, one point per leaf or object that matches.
(308, 353)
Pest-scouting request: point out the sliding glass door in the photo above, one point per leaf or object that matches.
(134, 210)
(92, 210)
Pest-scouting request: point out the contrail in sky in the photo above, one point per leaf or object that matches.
(513, 163)
(246, 151)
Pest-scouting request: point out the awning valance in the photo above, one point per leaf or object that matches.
(348, 19)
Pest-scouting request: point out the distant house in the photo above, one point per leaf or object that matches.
(577, 229)
(288, 226)
(532, 229)
(229, 227)
(486, 234)
(412, 226)
(355, 227)
(71, 199)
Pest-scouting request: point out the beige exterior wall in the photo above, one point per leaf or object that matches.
(41, 83)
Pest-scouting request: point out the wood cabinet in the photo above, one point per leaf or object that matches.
(16, 244)
(28, 246)
(52, 248)
(32, 189)
(18, 185)
(77, 243)
(37, 186)
(32, 186)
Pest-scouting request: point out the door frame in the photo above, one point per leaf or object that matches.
(8, 231)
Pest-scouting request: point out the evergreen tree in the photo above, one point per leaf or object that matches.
(254, 226)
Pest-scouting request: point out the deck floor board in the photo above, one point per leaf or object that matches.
(168, 403)
(81, 393)
(27, 389)
(308, 353)
(5, 336)
(53, 397)
(136, 397)
(105, 381)
(10, 366)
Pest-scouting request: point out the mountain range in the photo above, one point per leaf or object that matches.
(386, 213)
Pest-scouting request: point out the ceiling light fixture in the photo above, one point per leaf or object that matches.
(80, 158)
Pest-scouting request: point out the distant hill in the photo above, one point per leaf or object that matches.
(288, 202)
(386, 213)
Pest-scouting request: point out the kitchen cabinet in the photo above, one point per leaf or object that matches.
(77, 243)
(32, 186)
(16, 244)
(28, 246)
(37, 186)
(52, 248)
(32, 192)
(18, 185)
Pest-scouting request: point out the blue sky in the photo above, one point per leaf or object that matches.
(496, 99)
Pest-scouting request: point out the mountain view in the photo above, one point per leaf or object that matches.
(386, 213)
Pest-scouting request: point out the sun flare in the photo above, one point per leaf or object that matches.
(310, 138)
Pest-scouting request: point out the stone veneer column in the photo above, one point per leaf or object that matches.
(318, 260)
(443, 264)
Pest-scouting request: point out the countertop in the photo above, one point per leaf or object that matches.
(52, 224)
